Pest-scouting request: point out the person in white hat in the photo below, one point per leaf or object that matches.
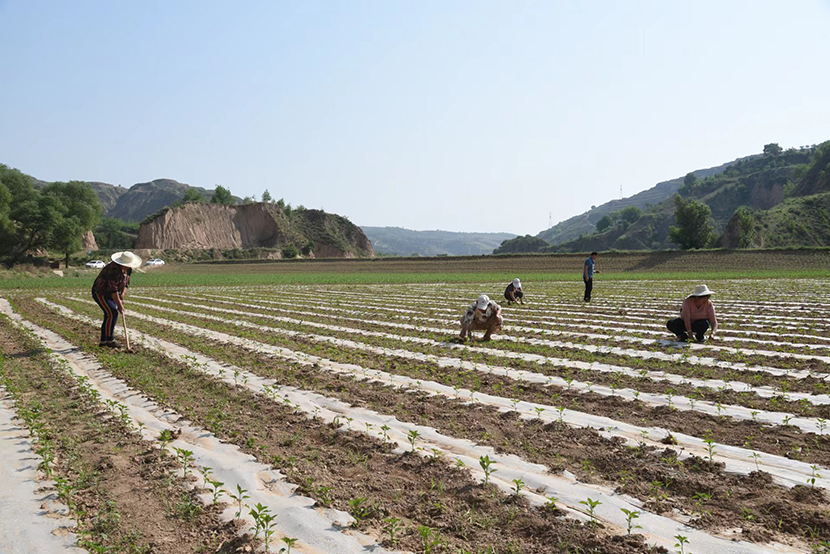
(513, 292)
(696, 316)
(483, 314)
(108, 292)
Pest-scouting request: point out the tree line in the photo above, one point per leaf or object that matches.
(52, 218)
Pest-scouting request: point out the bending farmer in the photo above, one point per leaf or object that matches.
(696, 315)
(108, 292)
(483, 314)
(513, 292)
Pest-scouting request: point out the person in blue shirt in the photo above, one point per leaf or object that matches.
(588, 275)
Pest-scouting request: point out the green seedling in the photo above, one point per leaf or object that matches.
(384, 432)
(518, 484)
(216, 489)
(755, 456)
(289, 542)
(630, 516)
(358, 510)
(814, 474)
(185, 458)
(239, 498)
(413, 437)
(681, 542)
(487, 465)
(256, 513)
(592, 505)
(392, 525)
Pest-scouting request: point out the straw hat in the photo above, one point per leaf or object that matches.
(516, 283)
(482, 302)
(127, 259)
(701, 290)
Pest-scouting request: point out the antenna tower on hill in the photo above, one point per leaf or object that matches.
(550, 220)
(621, 191)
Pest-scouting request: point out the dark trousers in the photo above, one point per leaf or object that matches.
(110, 309)
(678, 327)
(589, 286)
(517, 294)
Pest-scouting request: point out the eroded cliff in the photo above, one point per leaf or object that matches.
(204, 226)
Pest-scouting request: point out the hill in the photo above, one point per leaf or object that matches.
(197, 226)
(764, 188)
(405, 242)
(585, 223)
(145, 199)
(752, 190)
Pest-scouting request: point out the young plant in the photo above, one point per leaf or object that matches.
(239, 498)
(592, 505)
(630, 516)
(681, 542)
(518, 484)
(412, 437)
(814, 474)
(392, 525)
(289, 542)
(487, 465)
(185, 458)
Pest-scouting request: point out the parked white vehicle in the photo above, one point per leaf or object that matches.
(154, 261)
(97, 264)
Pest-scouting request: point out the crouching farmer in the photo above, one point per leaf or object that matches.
(513, 292)
(482, 315)
(696, 316)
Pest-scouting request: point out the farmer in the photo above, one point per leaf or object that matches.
(588, 275)
(513, 292)
(483, 314)
(696, 316)
(108, 292)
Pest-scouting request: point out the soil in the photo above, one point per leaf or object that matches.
(126, 496)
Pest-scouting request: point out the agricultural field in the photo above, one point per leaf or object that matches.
(347, 418)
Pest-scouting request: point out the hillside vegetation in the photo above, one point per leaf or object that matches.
(773, 199)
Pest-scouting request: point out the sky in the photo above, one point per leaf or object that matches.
(478, 116)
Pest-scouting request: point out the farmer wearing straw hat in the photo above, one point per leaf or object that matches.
(696, 315)
(513, 292)
(483, 314)
(108, 292)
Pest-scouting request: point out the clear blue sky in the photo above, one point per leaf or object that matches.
(456, 115)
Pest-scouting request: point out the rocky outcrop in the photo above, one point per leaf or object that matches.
(205, 226)
(88, 242)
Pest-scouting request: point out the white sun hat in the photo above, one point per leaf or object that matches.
(516, 283)
(127, 259)
(482, 302)
(701, 290)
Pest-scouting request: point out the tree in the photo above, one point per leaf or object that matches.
(694, 226)
(290, 251)
(249, 200)
(746, 227)
(689, 180)
(631, 214)
(605, 223)
(192, 195)
(266, 197)
(772, 149)
(222, 196)
(78, 212)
